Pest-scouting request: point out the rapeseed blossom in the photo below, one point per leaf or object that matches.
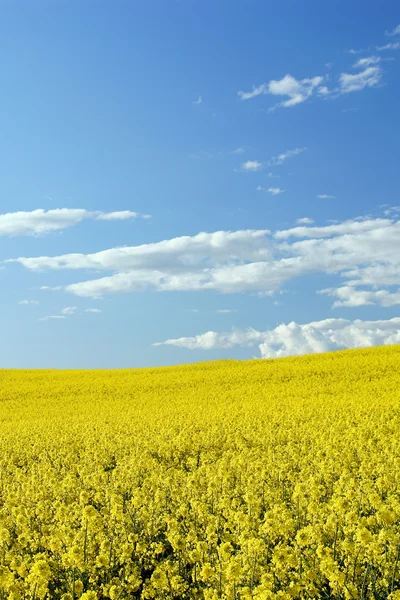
(232, 480)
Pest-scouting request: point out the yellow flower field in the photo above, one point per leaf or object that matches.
(232, 479)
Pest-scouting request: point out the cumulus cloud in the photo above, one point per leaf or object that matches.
(305, 221)
(295, 339)
(281, 158)
(40, 221)
(365, 252)
(296, 90)
(350, 296)
(251, 165)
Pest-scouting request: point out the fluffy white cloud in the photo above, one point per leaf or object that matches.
(28, 302)
(251, 165)
(349, 296)
(370, 77)
(275, 191)
(305, 221)
(296, 90)
(281, 158)
(295, 339)
(41, 221)
(363, 251)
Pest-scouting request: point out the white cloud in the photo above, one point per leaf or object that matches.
(362, 251)
(328, 231)
(239, 150)
(52, 317)
(93, 310)
(367, 62)
(40, 221)
(281, 158)
(297, 90)
(226, 310)
(350, 297)
(390, 46)
(325, 197)
(395, 31)
(275, 191)
(251, 165)
(295, 339)
(198, 101)
(370, 77)
(28, 302)
(305, 221)
(257, 91)
(68, 310)
(119, 215)
(193, 310)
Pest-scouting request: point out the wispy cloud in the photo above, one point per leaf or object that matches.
(239, 150)
(367, 62)
(28, 302)
(389, 46)
(349, 82)
(251, 166)
(281, 158)
(395, 31)
(325, 197)
(93, 310)
(226, 310)
(48, 318)
(42, 221)
(294, 339)
(275, 191)
(69, 310)
(198, 101)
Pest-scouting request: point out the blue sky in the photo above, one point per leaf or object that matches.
(156, 158)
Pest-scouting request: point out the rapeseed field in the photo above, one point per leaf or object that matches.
(260, 479)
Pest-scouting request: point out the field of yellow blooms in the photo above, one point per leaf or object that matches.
(260, 479)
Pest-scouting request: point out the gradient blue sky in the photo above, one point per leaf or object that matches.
(136, 106)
